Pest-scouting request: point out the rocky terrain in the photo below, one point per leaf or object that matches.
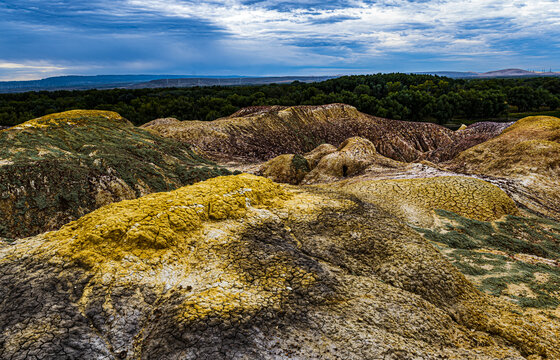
(357, 238)
(527, 156)
(59, 167)
(261, 133)
(240, 267)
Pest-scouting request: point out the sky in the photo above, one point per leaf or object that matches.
(40, 38)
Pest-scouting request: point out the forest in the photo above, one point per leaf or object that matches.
(397, 96)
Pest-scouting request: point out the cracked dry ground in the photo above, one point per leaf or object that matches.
(239, 267)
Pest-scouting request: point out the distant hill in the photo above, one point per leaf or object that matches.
(189, 82)
(491, 74)
(163, 81)
(142, 81)
(78, 82)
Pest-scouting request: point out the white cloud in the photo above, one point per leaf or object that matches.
(35, 67)
(444, 27)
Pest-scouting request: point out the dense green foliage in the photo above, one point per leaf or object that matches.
(397, 96)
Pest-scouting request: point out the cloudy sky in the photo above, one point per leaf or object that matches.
(40, 38)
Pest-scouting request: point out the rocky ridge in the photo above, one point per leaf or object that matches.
(261, 133)
(525, 158)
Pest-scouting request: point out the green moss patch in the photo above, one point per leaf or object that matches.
(515, 258)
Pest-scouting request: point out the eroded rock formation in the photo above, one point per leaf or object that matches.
(240, 267)
(262, 133)
(466, 138)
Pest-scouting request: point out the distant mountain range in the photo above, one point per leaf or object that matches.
(492, 74)
(161, 81)
(144, 81)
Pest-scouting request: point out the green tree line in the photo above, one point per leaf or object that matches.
(397, 96)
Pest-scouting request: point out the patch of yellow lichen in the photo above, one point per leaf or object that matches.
(163, 220)
(71, 117)
(544, 123)
(415, 199)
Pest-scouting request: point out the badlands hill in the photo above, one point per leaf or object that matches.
(263, 132)
(59, 167)
(378, 239)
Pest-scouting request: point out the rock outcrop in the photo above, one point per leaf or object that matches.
(352, 157)
(239, 267)
(59, 167)
(327, 163)
(288, 169)
(415, 200)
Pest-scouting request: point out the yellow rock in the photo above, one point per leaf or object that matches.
(163, 220)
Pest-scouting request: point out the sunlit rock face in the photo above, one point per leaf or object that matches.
(59, 167)
(240, 267)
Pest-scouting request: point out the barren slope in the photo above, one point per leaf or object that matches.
(526, 156)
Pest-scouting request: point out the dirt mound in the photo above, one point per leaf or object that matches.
(351, 158)
(59, 167)
(415, 200)
(288, 169)
(240, 267)
(327, 163)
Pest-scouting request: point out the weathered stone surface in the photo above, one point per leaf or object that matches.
(59, 167)
(327, 164)
(239, 267)
(351, 158)
(414, 200)
(288, 169)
